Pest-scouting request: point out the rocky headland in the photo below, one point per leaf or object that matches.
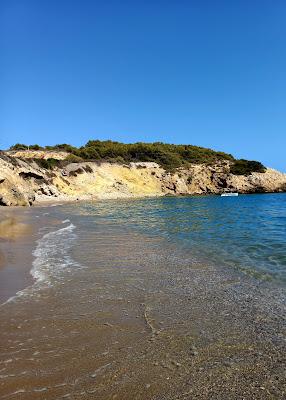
(24, 182)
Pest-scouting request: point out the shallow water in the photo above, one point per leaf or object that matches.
(151, 299)
(245, 232)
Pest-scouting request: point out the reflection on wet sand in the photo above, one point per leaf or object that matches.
(2, 259)
(11, 228)
(16, 241)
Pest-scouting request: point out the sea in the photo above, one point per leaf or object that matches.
(154, 298)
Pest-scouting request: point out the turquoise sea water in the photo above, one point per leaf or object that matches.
(247, 232)
(148, 299)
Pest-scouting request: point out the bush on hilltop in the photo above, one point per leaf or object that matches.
(19, 146)
(169, 156)
(246, 167)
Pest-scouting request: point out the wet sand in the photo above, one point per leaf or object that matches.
(17, 239)
(2, 259)
(143, 321)
(19, 232)
(11, 228)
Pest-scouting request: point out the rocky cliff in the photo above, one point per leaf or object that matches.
(23, 182)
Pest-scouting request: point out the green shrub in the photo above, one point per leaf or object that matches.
(169, 156)
(35, 147)
(19, 146)
(246, 167)
(72, 158)
(62, 147)
(50, 163)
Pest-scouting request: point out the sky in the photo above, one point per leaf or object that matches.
(208, 73)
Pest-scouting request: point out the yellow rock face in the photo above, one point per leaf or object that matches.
(21, 182)
(110, 181)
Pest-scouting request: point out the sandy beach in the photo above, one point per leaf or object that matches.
(142, 200)
(2, 259)
(117, 314)
(16, 244)
(17, 240)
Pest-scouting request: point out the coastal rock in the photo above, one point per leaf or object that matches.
(19, 181)
(24, 182)
(41, 154)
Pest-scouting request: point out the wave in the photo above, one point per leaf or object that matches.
(52, 260)
(51, 255)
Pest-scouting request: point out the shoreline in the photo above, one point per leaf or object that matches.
(58, 201)
(23, 237)
(14, 277)
(167, 316)
(23, 183)
(16, 246)
(19, 232)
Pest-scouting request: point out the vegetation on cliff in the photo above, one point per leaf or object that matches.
(169, 156)
(245, 167)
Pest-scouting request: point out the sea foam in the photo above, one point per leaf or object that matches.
(51, 254)
(52, 260)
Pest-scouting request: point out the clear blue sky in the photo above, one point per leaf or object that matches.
(210, 73)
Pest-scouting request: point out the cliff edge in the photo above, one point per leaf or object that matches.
(24, 182)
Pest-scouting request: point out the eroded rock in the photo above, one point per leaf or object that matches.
(23, 183)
